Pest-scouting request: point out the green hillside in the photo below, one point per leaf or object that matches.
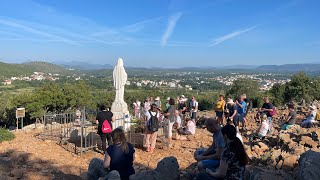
(8, 70)
(45, 67)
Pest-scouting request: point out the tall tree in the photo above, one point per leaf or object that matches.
(243, 86)
(300, 87)
(78, 95)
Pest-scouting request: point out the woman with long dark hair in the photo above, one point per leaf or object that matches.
(233, 159)
(120, 155)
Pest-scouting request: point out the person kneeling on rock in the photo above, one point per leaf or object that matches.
(210, 158)
(263, 128)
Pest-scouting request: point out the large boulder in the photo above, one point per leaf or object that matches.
(167, 168)
(309, 165)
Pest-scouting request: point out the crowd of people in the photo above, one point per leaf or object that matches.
(225, 158)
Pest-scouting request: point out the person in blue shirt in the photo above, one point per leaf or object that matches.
(241, 112)
(210, 158)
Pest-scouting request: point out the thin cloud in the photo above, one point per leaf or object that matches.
(35, 31)
(138, 26)
(170, 28)
(221, 39)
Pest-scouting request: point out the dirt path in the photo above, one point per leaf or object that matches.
(32, 158)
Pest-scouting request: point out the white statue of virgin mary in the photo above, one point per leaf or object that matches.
(119, 107)
(119, 80)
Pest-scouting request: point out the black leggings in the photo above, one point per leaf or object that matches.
(105, 137)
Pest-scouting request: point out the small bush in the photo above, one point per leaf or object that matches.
(6, 135)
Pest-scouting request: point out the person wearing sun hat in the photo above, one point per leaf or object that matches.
(311, 117)
(158, 102)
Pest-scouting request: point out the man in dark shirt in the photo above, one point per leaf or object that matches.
(233, 112)
(267, 107)
(182, 107)
(101, 117)
(291, 118)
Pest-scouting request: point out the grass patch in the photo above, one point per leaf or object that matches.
(6, 135)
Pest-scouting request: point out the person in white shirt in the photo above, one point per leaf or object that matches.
(264, 127)
(178, 119)
(194, 108)
(189, 129)
(310, 117)
(146, 105)
(137, 105)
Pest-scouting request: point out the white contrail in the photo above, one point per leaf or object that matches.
(170, 28)
(221, 39)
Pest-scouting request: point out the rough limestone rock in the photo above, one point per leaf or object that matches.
(290, 162)
(263, 146)
(299, 150)
(95, 169)
(6, 164)
(256, 173)
(309, 165)
(167, 168)
(306, 140)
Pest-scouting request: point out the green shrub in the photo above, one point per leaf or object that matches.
(6, 135)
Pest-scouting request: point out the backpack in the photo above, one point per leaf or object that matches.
(318, 116)
(153, 123)
(273, 112)
(106, 128)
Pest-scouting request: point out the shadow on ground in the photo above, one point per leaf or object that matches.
(22, 165)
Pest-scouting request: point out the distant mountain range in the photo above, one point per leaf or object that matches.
(291, 68)
(83, 65)
(27, 68)
(269, 68)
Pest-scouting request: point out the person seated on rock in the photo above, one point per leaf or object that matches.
(233, 158)
(263, 128)
(178, 122)
(291, 118)
(310, 117)
(189, 129)
(210, 158)
(118, 161)
(120, 155)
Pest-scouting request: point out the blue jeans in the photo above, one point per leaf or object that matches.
(210, 164)
(194, 115)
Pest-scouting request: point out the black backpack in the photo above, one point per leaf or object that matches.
(153, 124)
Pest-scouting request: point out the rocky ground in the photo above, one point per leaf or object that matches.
(28, 157)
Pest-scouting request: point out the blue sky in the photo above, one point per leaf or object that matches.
(167, 33)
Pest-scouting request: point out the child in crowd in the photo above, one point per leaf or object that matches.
(263, 128)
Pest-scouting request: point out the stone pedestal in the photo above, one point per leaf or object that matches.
(121, 114)
(119, 109)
